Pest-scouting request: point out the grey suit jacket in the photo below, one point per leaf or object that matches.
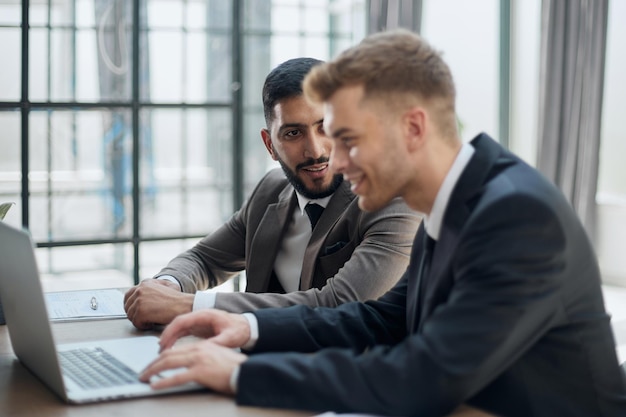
(510, 318)
(352, 255)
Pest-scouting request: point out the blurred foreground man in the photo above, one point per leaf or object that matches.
(500, 308)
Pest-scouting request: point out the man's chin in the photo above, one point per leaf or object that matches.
(314, 189)
(321, 190)
(315, 193)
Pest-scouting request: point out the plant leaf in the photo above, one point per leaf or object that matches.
(4, 208)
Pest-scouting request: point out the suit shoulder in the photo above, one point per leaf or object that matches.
(394, 215)
(271, 185)
(396, 207)
(523, 196)
(522, 183)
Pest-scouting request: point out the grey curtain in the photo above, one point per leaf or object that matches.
(573, 43)
(393, 14)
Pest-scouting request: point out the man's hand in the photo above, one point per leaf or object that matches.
(155, 301)
(210, 362)
(207, 363)
(222, 328)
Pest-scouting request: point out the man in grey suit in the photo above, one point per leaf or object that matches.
(500, 309)
(346, 255)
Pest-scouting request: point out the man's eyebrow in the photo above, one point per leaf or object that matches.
(291, 126)
(298, 125)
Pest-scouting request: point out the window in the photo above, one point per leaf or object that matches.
(467, 33)
(612, 182)
(131, 128)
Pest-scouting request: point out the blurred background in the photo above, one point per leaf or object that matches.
(130, 129)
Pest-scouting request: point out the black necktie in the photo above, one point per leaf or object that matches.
(314, 211)
(427, 254)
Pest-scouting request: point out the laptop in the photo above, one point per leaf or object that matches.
(78, 372)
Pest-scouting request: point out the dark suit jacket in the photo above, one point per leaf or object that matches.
(352, 255)
(512, 320)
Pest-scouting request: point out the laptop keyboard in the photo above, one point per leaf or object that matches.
(95, 368)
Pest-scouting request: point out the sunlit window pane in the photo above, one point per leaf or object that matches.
(467, 32)
(165, 13)
(612, 181)
(88, 65)
(526, 29)
(80, 175)
(153, 256)
(187, 182)
(10, 174)
(85, 267)
(11, 44)
(10, 13)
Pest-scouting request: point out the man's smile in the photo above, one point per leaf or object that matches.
(316, 171)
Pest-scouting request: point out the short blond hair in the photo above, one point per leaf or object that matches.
(394, 65)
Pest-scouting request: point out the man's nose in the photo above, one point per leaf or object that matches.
(316, 146)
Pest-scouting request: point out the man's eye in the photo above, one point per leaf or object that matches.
(347, 141)
(292, 133)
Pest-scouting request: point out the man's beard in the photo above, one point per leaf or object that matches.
(299, 185)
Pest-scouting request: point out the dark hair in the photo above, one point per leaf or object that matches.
(285, 81)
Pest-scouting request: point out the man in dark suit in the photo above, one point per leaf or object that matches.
(347, 255)
(500, 309)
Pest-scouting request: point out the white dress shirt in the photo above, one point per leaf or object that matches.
(432, 222)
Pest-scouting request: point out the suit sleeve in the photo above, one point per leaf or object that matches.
(356, 326)
(375, 266)
(218, 256)
(213, 260)
(506, 272)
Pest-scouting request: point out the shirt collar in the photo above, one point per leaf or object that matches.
(303, 201)
(432, 222)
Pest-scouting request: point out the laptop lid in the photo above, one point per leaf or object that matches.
(25, 309)
(31, 334)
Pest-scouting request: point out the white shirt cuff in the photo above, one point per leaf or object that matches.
(254, 336)
(254, 331)
(170, 279)
(203, 300)
(234, 379)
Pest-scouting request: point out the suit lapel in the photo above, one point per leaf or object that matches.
(460, 206)
(266, 242)
(336, 206)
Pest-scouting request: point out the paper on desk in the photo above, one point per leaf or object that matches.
(77, 305)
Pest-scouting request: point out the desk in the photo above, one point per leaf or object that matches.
(23, 395)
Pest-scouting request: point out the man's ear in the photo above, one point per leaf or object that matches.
(414, 124)
(267, 141)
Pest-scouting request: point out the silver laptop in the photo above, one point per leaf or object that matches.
(77, 372)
